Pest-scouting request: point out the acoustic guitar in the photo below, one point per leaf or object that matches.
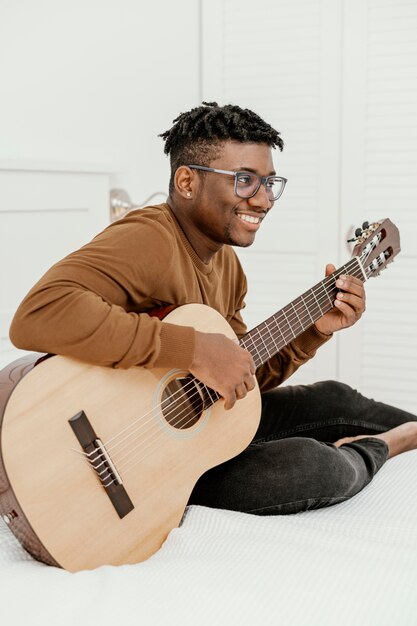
(97, 464)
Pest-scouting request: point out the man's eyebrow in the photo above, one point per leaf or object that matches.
(250, 169)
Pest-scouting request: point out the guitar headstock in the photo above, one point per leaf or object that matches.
(376, 246)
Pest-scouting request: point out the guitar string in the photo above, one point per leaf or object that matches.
(358, 273)
(191, 385)
(123, 462)
(365, 253)
(151, 441)
(368, 272)
(330, 280)
(137, 458)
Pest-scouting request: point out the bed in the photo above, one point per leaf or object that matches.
(353, 563)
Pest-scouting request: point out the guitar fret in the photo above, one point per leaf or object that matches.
(245, 340)
(283, 320)
(314, 306)
(333, 290)
(273, 340)
(295, 311)
(256, 349)
(286, 319)
(312, 291)
(307, 309)
(266, 348)
(280, 331)
(327, 294)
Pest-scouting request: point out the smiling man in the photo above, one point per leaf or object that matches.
(247, 195)
(105, 304)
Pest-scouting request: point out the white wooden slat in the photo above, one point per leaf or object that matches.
(389, 169)
(390, 332)
(382, 129)
(274, 280)
(283, 74)
(396, 56)
(382, 11)
(253, 51)
(279, 59)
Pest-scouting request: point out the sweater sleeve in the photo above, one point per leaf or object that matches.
(89, 305)
(283, 364)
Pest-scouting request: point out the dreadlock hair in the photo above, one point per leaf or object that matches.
(196, 136)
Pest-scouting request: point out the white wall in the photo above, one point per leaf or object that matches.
(96, 81)
(85, 88)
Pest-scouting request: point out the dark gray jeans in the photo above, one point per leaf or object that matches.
(290, 466)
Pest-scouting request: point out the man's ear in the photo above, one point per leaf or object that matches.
(185, 182)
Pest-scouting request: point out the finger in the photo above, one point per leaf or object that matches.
(357, 303)
(241, 391)
(229, 401)
(349, 314)
(330, 268)
(250, 383)
(351, 284)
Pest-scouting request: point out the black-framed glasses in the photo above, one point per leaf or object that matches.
(247, 184)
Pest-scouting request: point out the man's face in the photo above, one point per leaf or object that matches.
(221, 215)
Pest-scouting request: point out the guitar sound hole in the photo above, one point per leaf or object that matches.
(182, 403)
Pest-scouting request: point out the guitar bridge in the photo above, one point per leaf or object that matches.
(101, 463)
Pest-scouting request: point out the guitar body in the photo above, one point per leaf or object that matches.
(58, 493)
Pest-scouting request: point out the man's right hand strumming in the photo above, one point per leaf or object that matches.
(224, 366)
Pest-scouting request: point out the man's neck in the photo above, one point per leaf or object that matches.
(204, 248)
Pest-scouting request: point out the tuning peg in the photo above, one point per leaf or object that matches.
(359, 232)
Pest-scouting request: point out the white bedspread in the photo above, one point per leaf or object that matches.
(351, 564)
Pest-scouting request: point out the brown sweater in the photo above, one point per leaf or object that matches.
(92, 305)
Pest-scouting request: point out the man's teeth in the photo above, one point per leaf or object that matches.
(249, 218)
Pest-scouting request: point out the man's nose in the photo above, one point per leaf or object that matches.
(260, 199)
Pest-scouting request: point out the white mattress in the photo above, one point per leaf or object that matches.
(351, 564)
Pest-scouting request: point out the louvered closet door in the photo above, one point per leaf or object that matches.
(338, 79)
(379, 165)
(278, 58)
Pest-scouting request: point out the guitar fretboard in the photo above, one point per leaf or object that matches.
(269, 337)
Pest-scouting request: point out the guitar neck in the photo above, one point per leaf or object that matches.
(269, 337)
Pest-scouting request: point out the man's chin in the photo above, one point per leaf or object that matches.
(241, 243)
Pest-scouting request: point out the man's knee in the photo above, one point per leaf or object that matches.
(335, 391)
(327, 471)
